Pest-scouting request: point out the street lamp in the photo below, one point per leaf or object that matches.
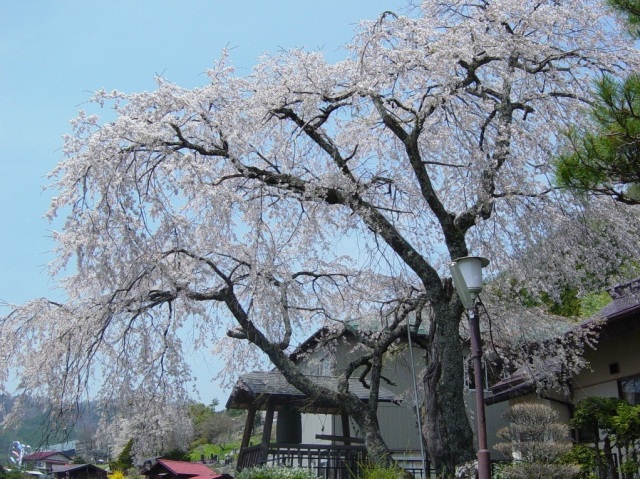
(467, 279)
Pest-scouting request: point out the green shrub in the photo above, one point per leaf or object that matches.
(537, 440)
(584, 457)
(538, 470)
(177, 454)
(373, 470)
(10, 474)
(277, 472)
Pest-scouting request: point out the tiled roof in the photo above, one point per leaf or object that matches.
(259, 385)
(41, 455)
(624, 307)
(182, 469)
(186, 468)
(73, 467)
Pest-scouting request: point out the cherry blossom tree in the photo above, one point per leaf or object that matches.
(150, 433)
(311, 194)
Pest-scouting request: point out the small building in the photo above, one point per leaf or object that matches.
(44, 461)
(170, 469)
(337, 454)
(613, 372)
(614, 364)
(78, 471)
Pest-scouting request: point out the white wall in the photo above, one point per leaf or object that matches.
(598, 380)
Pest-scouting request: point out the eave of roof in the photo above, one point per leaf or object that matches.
(213, 475)
(73, 467)
(615, 312)
(253, 389)
(518, 390)
(44, 455)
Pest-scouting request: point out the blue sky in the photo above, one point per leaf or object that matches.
(53, 54)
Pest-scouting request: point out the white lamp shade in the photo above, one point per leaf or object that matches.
(471, 269)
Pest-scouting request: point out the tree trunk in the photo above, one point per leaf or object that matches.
(366, 417)
(446, 427)
(602, 469)
(376, 447)
(612, 473)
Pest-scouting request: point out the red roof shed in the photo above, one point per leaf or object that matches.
(170, 469)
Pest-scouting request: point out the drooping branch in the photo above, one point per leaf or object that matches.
(320, 138)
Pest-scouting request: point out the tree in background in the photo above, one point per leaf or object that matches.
(215, 427)
(593, 417)
(605, 159)
(201, 416)
(610, 423)
(630, 9)
(310, 195)
(626, 424)
(124, 462)
(155, 429)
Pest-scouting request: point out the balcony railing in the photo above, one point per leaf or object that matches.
(327, 461)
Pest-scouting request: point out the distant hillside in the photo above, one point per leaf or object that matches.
(36, 430)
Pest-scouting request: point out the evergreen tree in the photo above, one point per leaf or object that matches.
(606, 161)
(631, 10)
(125, 459)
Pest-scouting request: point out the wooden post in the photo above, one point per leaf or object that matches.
(246, 436)
(345, 428)
(266, 432)
(248, 426)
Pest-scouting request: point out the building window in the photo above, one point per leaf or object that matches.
(318, 366)
(630, 390)
(324, 368)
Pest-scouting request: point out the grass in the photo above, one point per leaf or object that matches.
(208, 450)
